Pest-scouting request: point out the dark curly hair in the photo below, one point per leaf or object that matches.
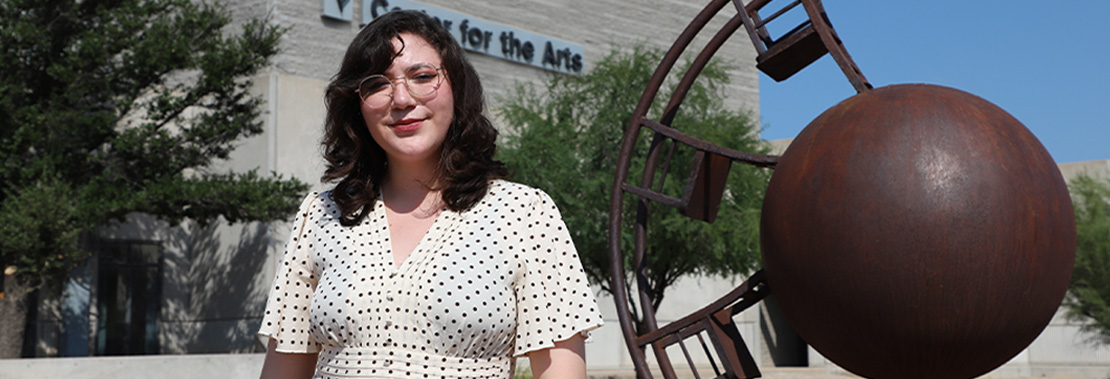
(358, 163)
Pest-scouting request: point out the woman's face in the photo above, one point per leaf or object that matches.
(411, 129)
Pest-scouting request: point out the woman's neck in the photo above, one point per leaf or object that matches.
(409, 188)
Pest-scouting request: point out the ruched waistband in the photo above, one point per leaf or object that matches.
(365, 362)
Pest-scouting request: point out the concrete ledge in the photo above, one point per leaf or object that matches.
(231, 366)
(248, 366)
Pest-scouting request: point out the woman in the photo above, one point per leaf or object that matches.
(422, 261)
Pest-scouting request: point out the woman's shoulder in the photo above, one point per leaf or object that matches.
(501, 191)
(318, 203)
(505, 196)
(317, 198)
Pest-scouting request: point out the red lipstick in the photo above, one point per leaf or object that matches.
(407, 125)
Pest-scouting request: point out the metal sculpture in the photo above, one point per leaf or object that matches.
(909, 231)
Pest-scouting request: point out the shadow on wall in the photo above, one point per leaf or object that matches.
(215, 279)
(783, 347)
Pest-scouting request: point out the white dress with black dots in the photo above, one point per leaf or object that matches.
(493, 282)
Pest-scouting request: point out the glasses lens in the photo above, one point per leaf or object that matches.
(376, 91)
(420, 81)
(423, 81)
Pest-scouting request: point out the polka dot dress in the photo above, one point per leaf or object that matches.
(495, 281)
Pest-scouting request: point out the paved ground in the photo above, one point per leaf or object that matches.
(825, 373)
(807, 373)
(772, 373)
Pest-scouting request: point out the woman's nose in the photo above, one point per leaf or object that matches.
(401, 96)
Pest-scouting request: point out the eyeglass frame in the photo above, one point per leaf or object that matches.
(393, 87)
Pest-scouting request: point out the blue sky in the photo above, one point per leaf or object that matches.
(1049, 67)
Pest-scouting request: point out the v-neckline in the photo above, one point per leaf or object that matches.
(420, 246)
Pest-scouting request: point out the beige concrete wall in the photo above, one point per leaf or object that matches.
(1094, 169)
(313, 46)
(214, 282)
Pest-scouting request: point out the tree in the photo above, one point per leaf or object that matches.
(1088, 297)
(113, 107)
(566, 139)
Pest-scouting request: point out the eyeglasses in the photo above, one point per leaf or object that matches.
(421, 81)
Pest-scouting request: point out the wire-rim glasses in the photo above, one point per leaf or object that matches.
(421, 81)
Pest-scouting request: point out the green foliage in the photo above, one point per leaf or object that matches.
(40, 219)
(523, 373)
(120, 106)
(1089, 292)
(566, 139)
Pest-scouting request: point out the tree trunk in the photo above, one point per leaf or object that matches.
(13, 315)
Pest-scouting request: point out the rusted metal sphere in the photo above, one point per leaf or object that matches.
(917, 231)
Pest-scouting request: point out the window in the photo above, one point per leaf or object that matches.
(128, 295)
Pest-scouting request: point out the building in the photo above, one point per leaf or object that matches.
(156, 289)
(192, 289)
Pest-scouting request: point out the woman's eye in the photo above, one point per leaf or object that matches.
(375, 85)
(423, 77)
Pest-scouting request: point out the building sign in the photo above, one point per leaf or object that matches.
(486, 37)
(341, 10)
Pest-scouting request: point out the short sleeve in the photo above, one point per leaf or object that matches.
(554, 300)
(287, 310)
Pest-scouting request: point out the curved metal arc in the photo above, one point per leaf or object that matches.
(817, 15)
(754, 284)
(758, 160)
(696, 67)
(620, 292)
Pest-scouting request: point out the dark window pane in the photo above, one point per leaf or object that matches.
(128, 294)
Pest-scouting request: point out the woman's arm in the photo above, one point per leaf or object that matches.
(287, 365)
(567, 359)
